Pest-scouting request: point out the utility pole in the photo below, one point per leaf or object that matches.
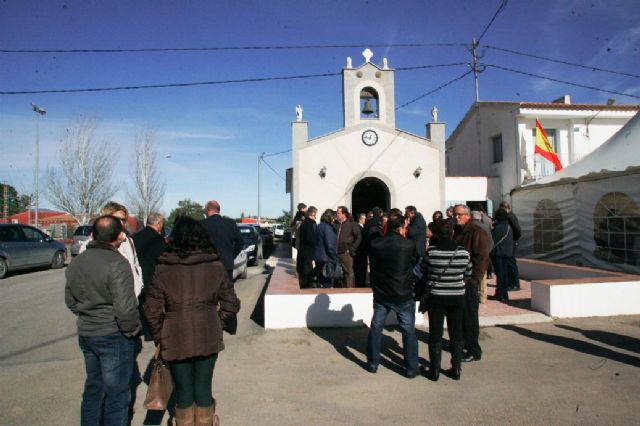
(260, 157)
(40, 111)
(474, 46)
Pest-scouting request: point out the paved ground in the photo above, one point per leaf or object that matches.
(582, 371)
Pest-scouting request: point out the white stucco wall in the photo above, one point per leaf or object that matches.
(347, 160)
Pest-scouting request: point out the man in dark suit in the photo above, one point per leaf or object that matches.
(417, 229)
(150, 244)
(348, 236)
(392, 262)
(224, 234)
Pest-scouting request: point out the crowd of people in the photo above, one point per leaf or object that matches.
(179, 292)
(452, 256)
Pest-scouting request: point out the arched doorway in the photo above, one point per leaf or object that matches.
(369, 193)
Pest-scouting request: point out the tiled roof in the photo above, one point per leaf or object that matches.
(578, 107)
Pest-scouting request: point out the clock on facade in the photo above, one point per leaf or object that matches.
(369, 137)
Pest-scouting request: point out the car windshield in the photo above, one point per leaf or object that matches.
(246, 231)
(83, 230)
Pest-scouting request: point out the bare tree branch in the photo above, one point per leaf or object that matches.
(83, 181)
(148, 190)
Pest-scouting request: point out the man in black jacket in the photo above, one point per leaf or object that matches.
(417, 229)
(150, 244)
(99, 291)
(392, 262)
(225, 235)
(514, 273)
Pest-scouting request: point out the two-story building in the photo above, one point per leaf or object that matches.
(497, 139)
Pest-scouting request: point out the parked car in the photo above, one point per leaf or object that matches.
(278, 231)
(240, 265)
(80, 235)
(252, 243)
(267, 239)
(23, 246)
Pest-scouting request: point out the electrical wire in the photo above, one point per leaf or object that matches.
(584, 86)
(273, 170)
(442, 86)
(159, 86)
(204, 83)
(559, 61)
(230, 48)
(275, 153)
(495, 15)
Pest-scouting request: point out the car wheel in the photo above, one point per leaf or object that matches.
(58, 260)
(4, 269)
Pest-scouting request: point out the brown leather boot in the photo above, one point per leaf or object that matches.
(206, 416)
(184, 416)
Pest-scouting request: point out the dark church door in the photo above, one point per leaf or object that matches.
(367, 194)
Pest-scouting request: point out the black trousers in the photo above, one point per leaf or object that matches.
(471, 322)
(501, 266)
(451, 307)
(513, 268)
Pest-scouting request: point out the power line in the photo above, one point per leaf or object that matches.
(162, 86)
(272, 169)
(275, 153)
(231, 48)
(559, 61)
(584, 86)
(495, 15)
(442, 86)
(204, 83)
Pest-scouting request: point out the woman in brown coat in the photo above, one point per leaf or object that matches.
(189, 300)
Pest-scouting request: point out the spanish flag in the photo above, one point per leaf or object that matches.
(544, 148)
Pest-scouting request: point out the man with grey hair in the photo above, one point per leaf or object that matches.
(476, 241)
(150, 244)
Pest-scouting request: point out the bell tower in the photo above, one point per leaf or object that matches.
(368, 93)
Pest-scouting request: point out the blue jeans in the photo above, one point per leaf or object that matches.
(109, 364)
(406, 318)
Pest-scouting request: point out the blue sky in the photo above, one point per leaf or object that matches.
(215, 133)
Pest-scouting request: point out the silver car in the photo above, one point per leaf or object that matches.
(23, 246)
(80, 235)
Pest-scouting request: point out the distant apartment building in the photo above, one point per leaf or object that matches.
(497, 139)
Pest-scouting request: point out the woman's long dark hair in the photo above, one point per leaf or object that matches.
(189, 236)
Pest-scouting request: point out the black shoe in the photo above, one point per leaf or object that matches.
(470, 358)
(514, 288)
(411, 374)
(372, 369)
(433, 374)
(454, 373)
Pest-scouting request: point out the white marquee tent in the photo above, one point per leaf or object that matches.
(588, 213)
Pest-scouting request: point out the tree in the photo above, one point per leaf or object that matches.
(83, 182)
(148, 190)
(186, 208)
(13, 203)
(285, 219)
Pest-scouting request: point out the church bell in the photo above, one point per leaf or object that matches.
(368, 110)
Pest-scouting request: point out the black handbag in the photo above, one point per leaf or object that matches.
(332, 270)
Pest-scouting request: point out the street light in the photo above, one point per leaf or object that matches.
(40, 111)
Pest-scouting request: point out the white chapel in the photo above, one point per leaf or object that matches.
(369, 162)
